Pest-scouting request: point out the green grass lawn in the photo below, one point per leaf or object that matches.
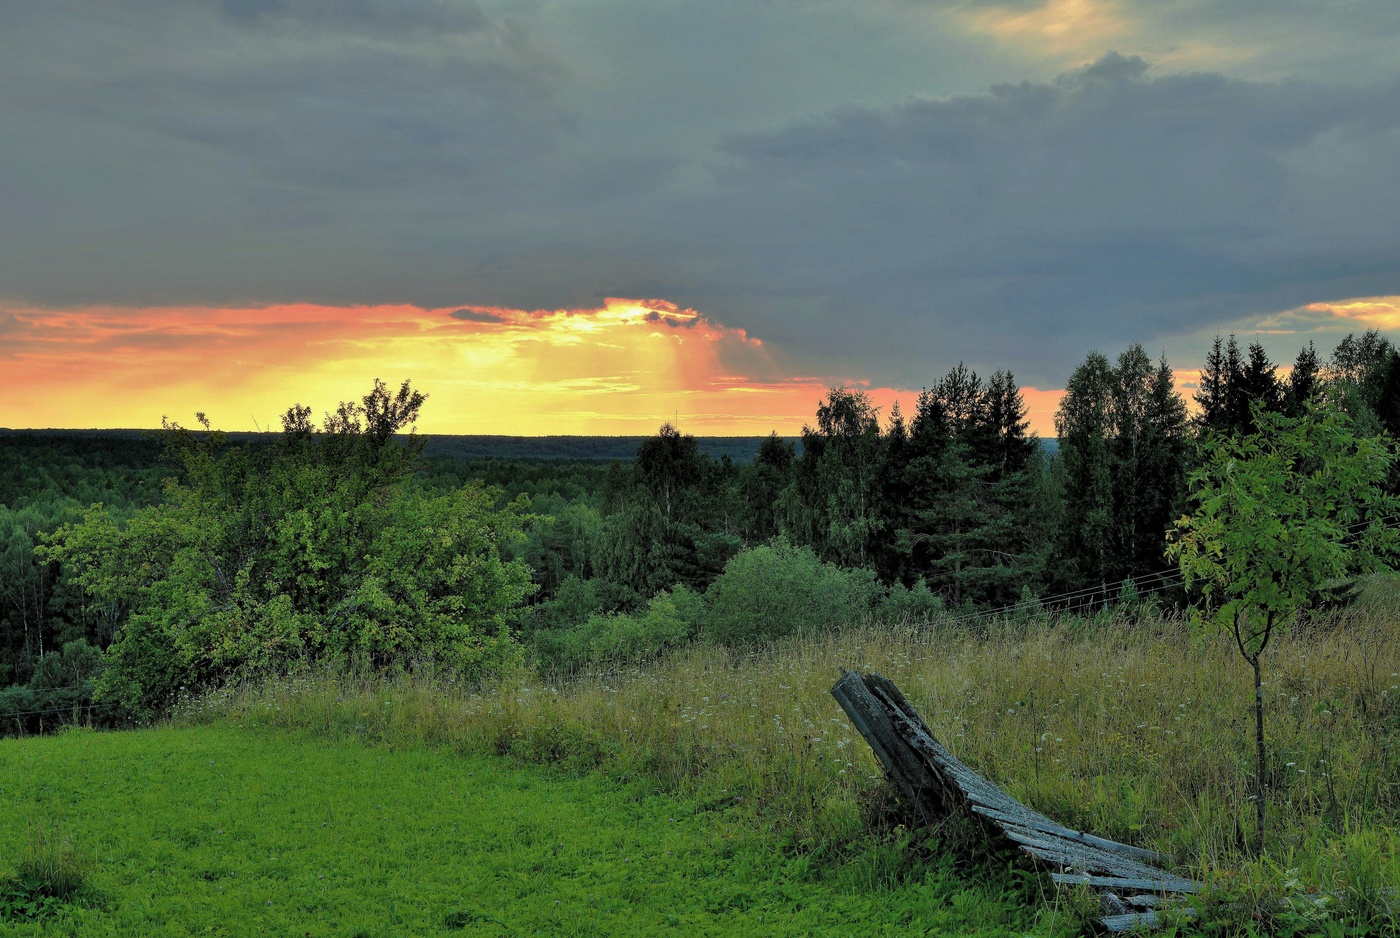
(219, 831)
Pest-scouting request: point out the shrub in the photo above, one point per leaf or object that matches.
(575, 600)
(916, 604)
(778, 590)
(670, 619)
(76, 664)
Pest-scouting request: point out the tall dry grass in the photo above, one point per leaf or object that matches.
(1133, 726)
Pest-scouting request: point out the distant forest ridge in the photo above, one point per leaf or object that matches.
(741, 449)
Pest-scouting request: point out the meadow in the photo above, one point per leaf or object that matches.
(1131, 725)
(220, 831)
(721, 791)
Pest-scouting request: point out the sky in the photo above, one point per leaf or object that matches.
(595, 217)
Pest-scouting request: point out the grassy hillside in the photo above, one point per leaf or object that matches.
(220, 831)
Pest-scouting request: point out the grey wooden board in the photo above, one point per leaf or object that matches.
(1087, 859)
(1119, 882)
(1067, 833)
(1130, 920)
(937, 783)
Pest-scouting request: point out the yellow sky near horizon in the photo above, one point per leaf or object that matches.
(620, 369)
(623, 368)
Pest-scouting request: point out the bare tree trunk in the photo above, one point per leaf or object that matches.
(1259, 765)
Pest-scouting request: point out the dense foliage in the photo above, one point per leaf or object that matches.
(313, 548)
(190, 557)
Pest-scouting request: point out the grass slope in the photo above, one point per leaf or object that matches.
(220, 831)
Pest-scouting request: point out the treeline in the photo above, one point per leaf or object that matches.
(476, 448)
(955, 505)
(194, 556)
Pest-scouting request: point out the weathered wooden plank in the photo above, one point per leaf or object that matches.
(1168, 882)
(1080, 857)
(924, 788)
(1043, 824)
(1131, 920)
(938, 783)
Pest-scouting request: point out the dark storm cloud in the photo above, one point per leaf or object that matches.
(477, 315)
(371, 16)
(1100, 208)
(672, 322)
(828, 181)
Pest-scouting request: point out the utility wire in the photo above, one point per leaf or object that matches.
(1160, 581)
(30, 713)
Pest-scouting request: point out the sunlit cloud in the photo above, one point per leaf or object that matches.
(622, 368)
(1070, 31)
(1324, 322)
(1376, 312)
(1057, 27)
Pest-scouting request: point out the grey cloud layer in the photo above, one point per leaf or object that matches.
(1100, 208)
(542, 155)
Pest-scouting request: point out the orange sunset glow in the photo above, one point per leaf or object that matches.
(623, 368)
(620, 369)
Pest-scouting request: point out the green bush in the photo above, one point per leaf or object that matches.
(77, 663)
(575, 600)
(778, 590)
(906, 604)
(670, 619)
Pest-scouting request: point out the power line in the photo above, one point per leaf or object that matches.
(30, 713)
(1160, 581)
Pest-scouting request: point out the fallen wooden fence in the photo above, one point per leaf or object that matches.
(1131, 883)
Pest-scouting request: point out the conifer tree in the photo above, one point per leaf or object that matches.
(968, 523)
(1302, 381)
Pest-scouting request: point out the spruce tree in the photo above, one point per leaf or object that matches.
(1258, 386)
(968, 526)
(1302, 381)
(1211, 390)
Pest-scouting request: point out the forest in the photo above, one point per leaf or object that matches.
(137, 571)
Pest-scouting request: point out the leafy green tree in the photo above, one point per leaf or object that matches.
(22, 584)
(761, 485)
(1123, 439)
(846, 452)
(671, 618)
(562, 543)
(1084, 425)
(667, 517)
(1388, 397)
(1148, 452)
(669, 465)
(76, 664)
(1355, 378)
(1274, 516)
(315, 548)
